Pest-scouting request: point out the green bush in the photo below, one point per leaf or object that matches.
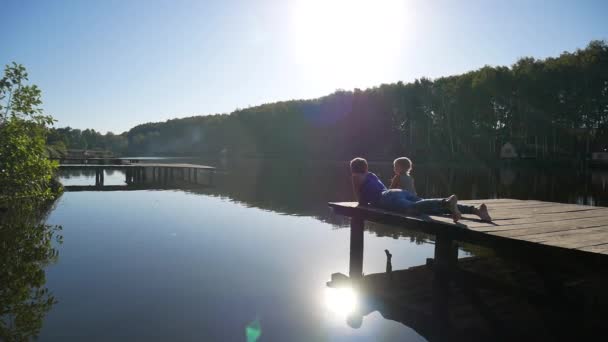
(25, 170)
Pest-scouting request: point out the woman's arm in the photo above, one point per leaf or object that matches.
(414, 187)
(394, 182)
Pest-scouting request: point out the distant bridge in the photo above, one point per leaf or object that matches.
(143, 173)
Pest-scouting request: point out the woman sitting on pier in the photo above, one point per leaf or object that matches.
(369, 190)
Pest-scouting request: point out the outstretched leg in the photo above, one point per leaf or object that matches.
(452, 205)
(481, 211)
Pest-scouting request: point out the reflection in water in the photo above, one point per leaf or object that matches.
(303, 188)
(191, 264)
(26, 248)
(341, 302)
(273, 185)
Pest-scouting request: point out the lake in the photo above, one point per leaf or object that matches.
(251, 254)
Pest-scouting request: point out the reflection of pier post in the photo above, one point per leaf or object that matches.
(99, 175)
(446, 258)
(356, 247)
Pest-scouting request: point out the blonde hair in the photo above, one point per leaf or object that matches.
(405, 163)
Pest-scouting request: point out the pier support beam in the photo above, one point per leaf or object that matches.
(99, 177)
(356, 248)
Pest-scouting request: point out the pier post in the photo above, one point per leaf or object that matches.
(196, 176)
(356, 247)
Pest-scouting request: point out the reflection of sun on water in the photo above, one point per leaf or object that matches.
(340, 301)
(349, 42)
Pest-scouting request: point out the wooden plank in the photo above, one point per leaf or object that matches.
(506, 205)
(581, 233)
(499, 223)
(602, 248)
(507, 223)
(577, 241)
(544, 227)
(553, 209)
(493, 201)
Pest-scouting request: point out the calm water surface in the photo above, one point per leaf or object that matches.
(253, 250)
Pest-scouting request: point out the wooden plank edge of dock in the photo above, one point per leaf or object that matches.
(460, 232)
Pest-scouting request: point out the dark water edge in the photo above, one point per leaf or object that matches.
(304, 187)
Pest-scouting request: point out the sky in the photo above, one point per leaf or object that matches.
(113, 64)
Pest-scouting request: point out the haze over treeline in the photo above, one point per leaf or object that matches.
(551, 108)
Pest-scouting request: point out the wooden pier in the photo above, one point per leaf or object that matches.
(157, 173)
(562, 244)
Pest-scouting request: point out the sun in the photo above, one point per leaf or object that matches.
(340, 301)
(348, 43)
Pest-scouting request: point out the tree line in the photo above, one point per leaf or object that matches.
(60, 140)
(547, 108)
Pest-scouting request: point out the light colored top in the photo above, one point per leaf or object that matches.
(404, 182)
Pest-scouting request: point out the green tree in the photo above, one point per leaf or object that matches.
(25, 170)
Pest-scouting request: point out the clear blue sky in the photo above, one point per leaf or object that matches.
(110, 65)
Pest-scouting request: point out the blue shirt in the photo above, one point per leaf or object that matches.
(371, 190)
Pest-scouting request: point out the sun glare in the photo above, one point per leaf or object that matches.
(348, 43)
(340, 301)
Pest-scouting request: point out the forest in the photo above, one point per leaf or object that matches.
(553, 108)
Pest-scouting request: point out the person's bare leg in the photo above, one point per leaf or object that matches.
(452, 204)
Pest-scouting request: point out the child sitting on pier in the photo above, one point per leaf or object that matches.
(402, 178)
(369, 190)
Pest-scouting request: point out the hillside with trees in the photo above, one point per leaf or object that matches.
(552, 108)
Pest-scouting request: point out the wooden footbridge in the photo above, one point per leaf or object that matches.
(141, 173)
(564, 245)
